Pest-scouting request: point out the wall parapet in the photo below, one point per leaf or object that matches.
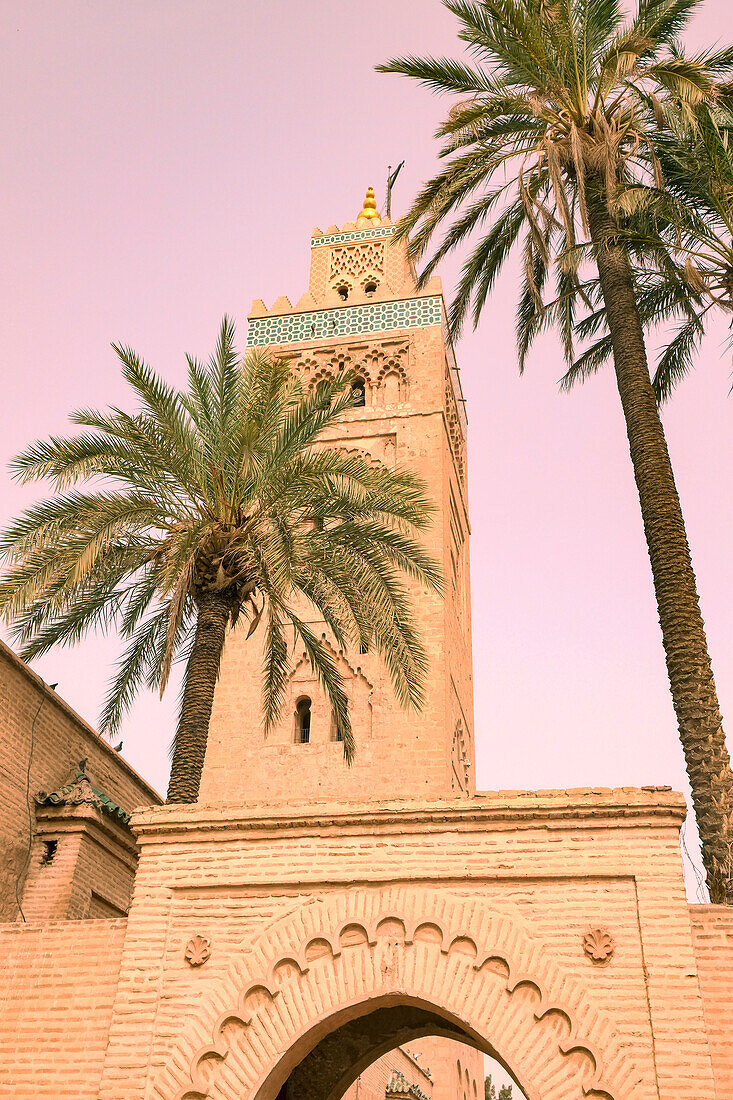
(593, 807)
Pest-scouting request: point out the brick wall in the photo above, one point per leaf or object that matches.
(57, 987)
(712, 933)
(92, 869)
(457, 1070)
(61, 739)
(373, 1082)
(560, 863)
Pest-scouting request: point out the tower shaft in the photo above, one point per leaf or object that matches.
(363, 310)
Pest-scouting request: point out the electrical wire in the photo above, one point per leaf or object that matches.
(702, 890)
(26, 861)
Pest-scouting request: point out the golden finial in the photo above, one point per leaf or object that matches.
(370, 206)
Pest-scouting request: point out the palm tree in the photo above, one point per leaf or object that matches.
(207, 504)
(680, 237)
(560, 107)
(688, 237)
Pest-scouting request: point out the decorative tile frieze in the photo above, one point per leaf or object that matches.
(292, 328)
(361, 235)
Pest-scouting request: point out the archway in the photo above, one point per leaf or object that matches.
(358, 1038)
(371, 967)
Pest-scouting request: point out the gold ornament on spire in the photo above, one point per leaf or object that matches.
(370, 206)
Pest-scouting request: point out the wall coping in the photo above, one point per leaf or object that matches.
(660, 807)
(79, 924)
(88, 820)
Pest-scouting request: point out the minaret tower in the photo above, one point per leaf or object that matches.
(363, 309)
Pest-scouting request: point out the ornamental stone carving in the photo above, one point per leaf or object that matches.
(357, 259)
(412, 943)
(198, 950)
(598, 945)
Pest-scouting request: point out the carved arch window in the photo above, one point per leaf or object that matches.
(392, 382)
(305, 368)
(303, 720)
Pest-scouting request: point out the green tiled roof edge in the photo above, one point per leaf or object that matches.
(103, 802)
(400, 1086)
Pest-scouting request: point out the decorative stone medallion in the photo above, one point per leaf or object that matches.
(198, 950)
(598, 945)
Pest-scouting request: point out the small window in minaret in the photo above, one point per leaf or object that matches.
(343, 293)
(370, 289)
(303, 721)
(358, 393)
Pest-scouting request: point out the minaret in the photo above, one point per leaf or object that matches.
(363, 309)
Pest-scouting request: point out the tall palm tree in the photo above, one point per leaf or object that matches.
(207, 504)
(559, 111)
(680, 237)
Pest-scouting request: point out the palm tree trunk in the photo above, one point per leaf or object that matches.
(683, 632)
(202, 672)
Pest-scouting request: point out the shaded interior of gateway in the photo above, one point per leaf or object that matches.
(328, 1059)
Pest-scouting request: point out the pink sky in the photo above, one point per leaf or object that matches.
(164, 163)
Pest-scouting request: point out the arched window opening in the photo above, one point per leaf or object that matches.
(391, 388)
(303, 721)
(370, 289)
(343, 293)
(358, 393)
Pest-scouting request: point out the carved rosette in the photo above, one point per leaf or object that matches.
(598, 945)
(198, 951)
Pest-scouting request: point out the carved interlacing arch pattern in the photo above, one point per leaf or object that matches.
(455, 432)
(459, 759)
(372, 362)
(357, 260)
(478, 963)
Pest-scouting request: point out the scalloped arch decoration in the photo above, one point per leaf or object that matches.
(482, 967)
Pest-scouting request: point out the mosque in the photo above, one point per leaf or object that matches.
(312, 931)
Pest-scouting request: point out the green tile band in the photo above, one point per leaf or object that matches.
(324, 324)
(360, 235)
